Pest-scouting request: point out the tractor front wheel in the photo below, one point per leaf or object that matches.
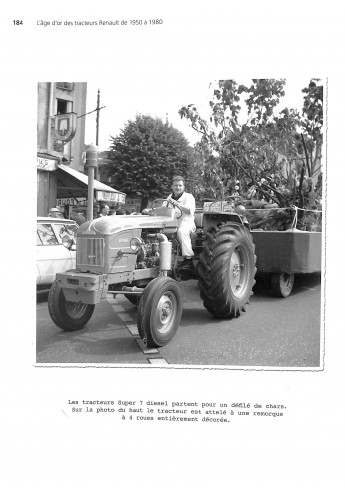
(160, 311)
(67, 315)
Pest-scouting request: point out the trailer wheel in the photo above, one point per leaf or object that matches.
(67, 315)
(160, 311)
(282, 284)
(226, 270)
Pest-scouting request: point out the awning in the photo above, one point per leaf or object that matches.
(48, 161)
(71, 183)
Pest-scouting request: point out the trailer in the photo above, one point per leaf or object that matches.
(282, 254)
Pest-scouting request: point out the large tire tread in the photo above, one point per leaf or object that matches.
(214, 267)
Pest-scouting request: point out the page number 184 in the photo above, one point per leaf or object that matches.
(18, 22)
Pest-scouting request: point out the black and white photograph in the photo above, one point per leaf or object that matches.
(177, 253)
(172, 245)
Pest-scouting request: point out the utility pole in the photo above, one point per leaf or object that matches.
(97, 118)
(97, 110)
(97, 130)
(91, 165)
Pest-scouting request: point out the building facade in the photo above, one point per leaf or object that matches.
(57, 99)
(61, 180)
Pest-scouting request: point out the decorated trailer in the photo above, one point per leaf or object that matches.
(283, 253)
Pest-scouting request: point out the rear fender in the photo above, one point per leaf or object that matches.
(211, 219)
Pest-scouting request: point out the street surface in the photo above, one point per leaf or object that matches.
(273, 332)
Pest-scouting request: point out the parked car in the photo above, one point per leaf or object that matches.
(56, 249)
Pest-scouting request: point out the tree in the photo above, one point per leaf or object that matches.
(145, 156)
(312, 124)
(260, 158)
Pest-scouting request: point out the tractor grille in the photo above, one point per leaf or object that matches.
(90, 251)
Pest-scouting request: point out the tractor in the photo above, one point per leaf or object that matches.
(139, 256)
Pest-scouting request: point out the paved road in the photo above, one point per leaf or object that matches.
(273, 332)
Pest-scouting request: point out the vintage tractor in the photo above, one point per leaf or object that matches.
(138, 256)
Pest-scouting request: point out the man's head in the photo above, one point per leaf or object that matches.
(55, 213)
(177, 185)
(104, 209)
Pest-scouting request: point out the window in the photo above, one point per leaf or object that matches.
(46, 234)
(63, 106)
(66, 230)
(65, 85)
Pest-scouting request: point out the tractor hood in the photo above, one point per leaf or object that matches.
(108, 225)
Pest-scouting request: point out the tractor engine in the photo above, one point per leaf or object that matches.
(148, 255)
(154, 250)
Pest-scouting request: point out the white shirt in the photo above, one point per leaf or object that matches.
(187, 200)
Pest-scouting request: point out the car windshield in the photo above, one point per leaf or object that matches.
(46, 234)
(69, 230)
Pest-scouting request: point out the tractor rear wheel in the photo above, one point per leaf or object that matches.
(226, 270)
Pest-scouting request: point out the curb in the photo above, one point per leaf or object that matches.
(127, 313)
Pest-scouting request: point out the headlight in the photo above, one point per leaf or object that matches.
(136, 244)
(67, 241)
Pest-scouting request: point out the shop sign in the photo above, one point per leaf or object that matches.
(218, 206)
(110, 196)
(46, 164)
(65, 126)
(71, 201)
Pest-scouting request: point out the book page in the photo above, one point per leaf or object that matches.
(94, 408)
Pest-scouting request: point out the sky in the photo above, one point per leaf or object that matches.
(124, 97)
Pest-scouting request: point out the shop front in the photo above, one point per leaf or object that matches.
(72, 189)
(47, 165)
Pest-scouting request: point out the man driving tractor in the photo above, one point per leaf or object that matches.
(186, 225)
(132, 255)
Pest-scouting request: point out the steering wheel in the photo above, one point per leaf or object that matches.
(158, 203)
